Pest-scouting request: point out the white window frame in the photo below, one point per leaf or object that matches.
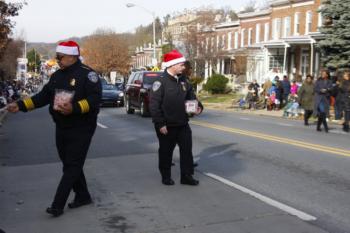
(286, 25)
(229, 41)
(266, 32)
(308, 22)
(223, 42)
(276, 28)
(257, 33)
(217, 42)
(297, 23)
(242, 37)
(250, 30)
(236, 40)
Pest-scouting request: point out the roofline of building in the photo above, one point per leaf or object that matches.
(255, 13)
(227, 24)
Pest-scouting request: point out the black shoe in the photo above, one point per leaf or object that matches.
(172, 164)
(76, 204)
(189, 180)
(54, 212)
(346, 128)
(319, 129)
(168, 181)
(195, 164)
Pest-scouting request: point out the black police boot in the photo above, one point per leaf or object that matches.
(167, 181)
(54, 212)
(346, 128)
(319, 122)
(195, 164)
(77, 203)
(189, 180)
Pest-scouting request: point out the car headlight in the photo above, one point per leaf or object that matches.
(121, 94)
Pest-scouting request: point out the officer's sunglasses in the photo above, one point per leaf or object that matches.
(59, 57)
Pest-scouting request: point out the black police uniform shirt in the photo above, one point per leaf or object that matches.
(167, 103)
(77, 78)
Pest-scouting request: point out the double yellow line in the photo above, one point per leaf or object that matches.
(267, 137)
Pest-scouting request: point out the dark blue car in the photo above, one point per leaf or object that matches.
(112, 95)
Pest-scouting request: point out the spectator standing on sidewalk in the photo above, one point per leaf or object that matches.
(286, 89)
(323, 88)
(170, 118)
(344, 89)
(73, 95)
(306, 98)
(294, 88)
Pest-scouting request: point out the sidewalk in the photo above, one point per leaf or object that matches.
(260, 112)
(129, 197)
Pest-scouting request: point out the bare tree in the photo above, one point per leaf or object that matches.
(8, 62)
(7, 10)
(106, 51)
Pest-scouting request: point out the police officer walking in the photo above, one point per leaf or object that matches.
(167, 107)
(73, 94)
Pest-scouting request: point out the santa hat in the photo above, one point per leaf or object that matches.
(173, 58)
(68, 48)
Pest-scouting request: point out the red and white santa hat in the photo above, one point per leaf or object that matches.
(173, 58)
(68, 48)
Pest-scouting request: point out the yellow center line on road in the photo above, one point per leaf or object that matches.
(267, 137)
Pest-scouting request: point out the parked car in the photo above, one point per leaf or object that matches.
(137, 91)
(112, 95)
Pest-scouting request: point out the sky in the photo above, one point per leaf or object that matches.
(50, 21)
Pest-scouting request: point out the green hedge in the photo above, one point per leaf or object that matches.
(216, 84)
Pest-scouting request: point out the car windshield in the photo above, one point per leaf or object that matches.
(109, 87)
(150, 78)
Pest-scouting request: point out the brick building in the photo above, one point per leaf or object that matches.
(278, 40)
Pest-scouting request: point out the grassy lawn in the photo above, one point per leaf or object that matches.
(219, 98)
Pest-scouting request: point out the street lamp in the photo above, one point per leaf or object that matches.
(129, 5)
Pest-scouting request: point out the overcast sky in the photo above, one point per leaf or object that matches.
(50, 21)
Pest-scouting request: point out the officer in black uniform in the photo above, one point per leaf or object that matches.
(167, 107)
(75, 120)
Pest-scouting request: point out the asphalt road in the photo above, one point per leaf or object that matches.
(280, 159)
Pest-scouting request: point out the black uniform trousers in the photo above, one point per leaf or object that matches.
(72, 145)
(182, 136)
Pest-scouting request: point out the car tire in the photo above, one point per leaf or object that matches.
(128, 109)
(143, 109)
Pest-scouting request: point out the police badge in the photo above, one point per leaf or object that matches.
(156, 85)
(183, 86)
(72, 82)
(93, 77)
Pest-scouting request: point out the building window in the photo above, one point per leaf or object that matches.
(217, 43)
(276, 63)
(236, 40)
(250, 36)
(242, 37)
(320, 20)
(229, 40)
(212, 45)
(206, 44)
(276, 28)
(308, 25)
(223, 42)
(257, 33)
(286, 27)
(297, 23)
(266, 31)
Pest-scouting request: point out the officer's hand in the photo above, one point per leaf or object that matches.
(12, 107)
(65, 109)
(163, 130)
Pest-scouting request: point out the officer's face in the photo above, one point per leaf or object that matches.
(179, 68)
(64, 60)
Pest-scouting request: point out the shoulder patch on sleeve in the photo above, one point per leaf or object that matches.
(93, 77)
(156, 85)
